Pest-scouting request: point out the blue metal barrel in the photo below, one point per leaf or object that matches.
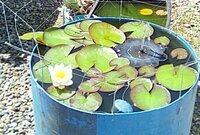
(55, 118)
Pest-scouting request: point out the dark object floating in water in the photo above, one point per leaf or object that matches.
(142, 52)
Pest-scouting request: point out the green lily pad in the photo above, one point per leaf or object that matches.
(55, 36)
(145, 100)
(31, 35)
(147, 71)
(119, 62)
(94, 73)
(41, 72)
(163, 40)
(71, 59)
(95, 55)
(142, 81)
(176, 78)
(58, 55)
(77, 25)
(84, 25)
(107, 87)
(60, 94)
(139, 29)
(115, 77)
(87, 35)
(89, 86)
(85, 42)
(72, 30)
(106, 34)
(88, 103)
(129, 72)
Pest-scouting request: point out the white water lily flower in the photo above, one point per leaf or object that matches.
(61, 76)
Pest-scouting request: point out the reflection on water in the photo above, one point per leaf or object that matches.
(143, 11)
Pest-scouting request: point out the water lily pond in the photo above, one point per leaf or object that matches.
(113, 66)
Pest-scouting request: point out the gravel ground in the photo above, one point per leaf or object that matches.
(16, 115)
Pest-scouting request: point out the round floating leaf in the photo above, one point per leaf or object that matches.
(96, 55)
(129, 72)
(60, 94)
(89, 86)
(145, 100)
(163, 40)
(139, 29)
(179, 53)
(107, 87)
(72, 30)
(176, 78)
(58, 54)
(55, 36)
(94, 73)
(115, 77)
(84, 25)
(161, 12)
(146, 11)
(85, 42)
(142, 81)
(147, 71)
(87, 35)
(122, 106)
(30, 35)
(119, 62)
(88, 103)
(41, 72)
(71, 59)
(106, 34)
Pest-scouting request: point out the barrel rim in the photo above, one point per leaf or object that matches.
(181, 39)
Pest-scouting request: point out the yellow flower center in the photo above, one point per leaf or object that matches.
(146, 11)
(60, 74)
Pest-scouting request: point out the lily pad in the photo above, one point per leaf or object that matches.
(58, 54)
(85, 42)
(55, 36)
(89, 86)
(71, 59)
(30, 35)
(146, 11)
(95, 55)
(87, 35)
(106, 34)
(107, 87)
(115, 77)
(41, 72)
(84, 25)
(147, 71)
(119, 62)
(122, 106)
(145, 100)
(176, 78)
(72, 30)
(88, 103)
(179, 53)
(60, 94)
(139, 30)
(163, 40)
(142, 81)
(129, 72)
(94, 73)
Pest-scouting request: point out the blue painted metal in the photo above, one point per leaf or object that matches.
(54, 118)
